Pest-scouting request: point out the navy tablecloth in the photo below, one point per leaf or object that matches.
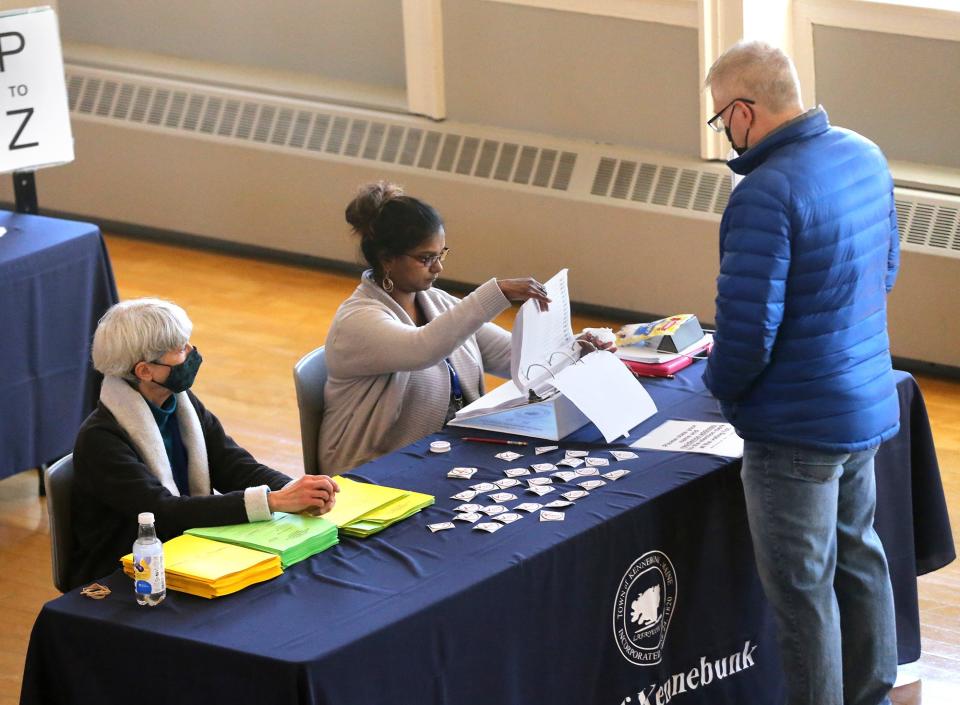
(530, 614)
(55, 283)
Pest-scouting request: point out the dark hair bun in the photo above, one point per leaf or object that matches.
(366, 206)
(390, 223)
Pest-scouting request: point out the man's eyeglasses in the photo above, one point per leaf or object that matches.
(430, 260)
(716, 122)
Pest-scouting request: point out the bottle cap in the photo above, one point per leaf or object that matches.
(145, 517)
(440, 446)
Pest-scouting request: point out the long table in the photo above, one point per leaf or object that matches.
(55, 283)
(538, 612)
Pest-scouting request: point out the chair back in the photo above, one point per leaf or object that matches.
(58, 479)
(309, 378)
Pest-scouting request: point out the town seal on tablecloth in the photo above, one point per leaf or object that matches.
(644, 604)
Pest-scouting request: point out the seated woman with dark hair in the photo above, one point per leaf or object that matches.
(402, 355)
(151, 446)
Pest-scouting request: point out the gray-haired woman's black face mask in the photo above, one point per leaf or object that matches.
(181, 376)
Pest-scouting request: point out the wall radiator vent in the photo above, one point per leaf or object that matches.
(928, 222)
(199, 110)
(508, 159)
(704, 190)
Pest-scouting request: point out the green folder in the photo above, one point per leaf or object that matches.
(293, 537)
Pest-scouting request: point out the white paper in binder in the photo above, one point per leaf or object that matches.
(553, 392)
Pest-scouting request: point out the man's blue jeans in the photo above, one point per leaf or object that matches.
(824, 571)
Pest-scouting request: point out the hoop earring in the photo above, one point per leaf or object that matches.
(387, 283)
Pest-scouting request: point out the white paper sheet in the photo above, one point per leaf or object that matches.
(506, 396)
(625, 402)
(694, 437)
(539, 335)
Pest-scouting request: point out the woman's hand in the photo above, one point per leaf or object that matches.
(315, 494)
(523, 289)
(590, 342)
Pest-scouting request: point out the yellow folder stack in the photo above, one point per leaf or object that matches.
(206, 568)
(363, 509)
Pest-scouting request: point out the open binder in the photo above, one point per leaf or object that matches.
(553, 391)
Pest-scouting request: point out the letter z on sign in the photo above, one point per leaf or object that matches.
(34, 116)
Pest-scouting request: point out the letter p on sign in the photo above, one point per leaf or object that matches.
(34, 116)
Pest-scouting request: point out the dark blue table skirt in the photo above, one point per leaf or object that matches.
(55, 283)
(526, 615)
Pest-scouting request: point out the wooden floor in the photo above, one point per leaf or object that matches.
(253, 321)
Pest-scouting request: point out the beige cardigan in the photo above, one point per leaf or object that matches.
(388, 384)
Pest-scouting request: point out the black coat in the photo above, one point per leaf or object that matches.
(112, 485)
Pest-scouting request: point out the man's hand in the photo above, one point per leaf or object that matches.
(315, 494)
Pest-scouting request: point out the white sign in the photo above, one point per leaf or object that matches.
(694, 437)
(34, 116)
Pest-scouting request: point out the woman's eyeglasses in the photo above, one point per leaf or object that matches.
(430, 260)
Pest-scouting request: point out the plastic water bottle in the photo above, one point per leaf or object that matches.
(149, 580)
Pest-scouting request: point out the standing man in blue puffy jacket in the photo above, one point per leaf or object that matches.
(801, 366)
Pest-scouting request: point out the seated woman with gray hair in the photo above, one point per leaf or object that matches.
(151, 446)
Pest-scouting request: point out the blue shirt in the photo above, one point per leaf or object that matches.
(166, 418)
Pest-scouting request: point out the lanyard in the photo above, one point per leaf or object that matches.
(455, 383)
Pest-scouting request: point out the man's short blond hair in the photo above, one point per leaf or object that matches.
(759, 71)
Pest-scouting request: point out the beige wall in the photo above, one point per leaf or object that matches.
(573, 75)
(350, 40)
(19, 4)
(901, 92)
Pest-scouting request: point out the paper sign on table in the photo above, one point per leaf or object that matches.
(694, 437)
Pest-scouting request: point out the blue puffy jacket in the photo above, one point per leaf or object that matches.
(808, 251)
